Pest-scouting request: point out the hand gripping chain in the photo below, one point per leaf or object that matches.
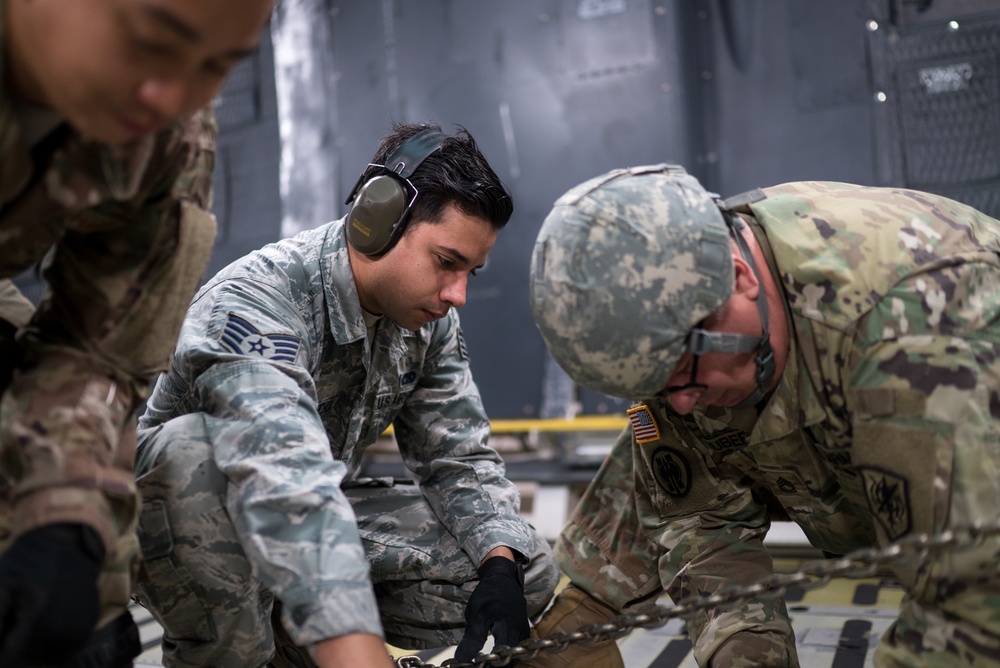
(861, 563)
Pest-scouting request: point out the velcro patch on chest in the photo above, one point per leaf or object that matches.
(242, 338)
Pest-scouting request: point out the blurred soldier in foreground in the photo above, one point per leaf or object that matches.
(291, 363)
(828, 350)
(106, 174)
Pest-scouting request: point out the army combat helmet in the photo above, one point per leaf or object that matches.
(625, 267)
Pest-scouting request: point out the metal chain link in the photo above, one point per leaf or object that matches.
(861, 563)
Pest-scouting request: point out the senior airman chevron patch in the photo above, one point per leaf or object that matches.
(242, 338)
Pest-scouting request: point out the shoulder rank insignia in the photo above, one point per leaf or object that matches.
(241, 337)
(463, 353)
(643, 425)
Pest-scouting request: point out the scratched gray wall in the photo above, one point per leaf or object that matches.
(246, 195)
(554, 92)
(745, 93)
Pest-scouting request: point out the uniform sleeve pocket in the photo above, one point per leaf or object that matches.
(905, 469)
(165, 586)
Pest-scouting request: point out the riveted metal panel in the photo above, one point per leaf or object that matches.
(246, 196)
(936, 103)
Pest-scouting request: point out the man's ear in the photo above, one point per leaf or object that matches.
(745, 282)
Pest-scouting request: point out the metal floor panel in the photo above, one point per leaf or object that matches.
(836, 626)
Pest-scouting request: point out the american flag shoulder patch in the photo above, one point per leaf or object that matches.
(643, 425)
(241, 337)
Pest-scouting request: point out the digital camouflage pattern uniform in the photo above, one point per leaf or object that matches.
(123, 234)
(248, 465)
(884, 423)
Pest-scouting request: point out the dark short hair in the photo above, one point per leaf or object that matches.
(457, 173)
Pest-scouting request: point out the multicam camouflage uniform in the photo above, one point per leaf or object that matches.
(248, 461)
(884, 423)
(125, 236)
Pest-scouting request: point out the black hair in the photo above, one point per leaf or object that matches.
(457, 173)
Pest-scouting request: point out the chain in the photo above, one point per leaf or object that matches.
(861, 563)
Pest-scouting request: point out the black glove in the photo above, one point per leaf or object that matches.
(114, 645)
(48, 594)
(496, 606)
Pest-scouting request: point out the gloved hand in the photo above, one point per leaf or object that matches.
(496, 606)
(48, 594)
(114, 645)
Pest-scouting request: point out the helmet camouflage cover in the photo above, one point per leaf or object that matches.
(625, 265)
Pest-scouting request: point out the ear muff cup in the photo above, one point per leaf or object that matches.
(380, 205)
(380, 199)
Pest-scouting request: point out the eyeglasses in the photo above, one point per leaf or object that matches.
(692, 384)
(696, 353)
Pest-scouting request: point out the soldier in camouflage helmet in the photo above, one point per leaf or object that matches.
(835, 359)
(290, 365)
(106, 172)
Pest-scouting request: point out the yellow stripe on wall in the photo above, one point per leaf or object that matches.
(581, 423)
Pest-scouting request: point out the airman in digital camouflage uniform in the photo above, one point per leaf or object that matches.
(105, 168)
(829, 347)
(291, 363)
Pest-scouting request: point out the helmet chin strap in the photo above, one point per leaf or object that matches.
(765, 353)
(701, 341)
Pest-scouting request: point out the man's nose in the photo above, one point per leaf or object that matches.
(454, 291)
(684, 401)
(167, 97)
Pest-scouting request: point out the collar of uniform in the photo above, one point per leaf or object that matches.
(794, 404)
(343, 304)
(344, 313)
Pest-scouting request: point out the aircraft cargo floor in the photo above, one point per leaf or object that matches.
(836, 626)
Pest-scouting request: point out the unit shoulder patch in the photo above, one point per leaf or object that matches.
(672, 471)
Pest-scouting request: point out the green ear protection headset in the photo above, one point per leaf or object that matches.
(382, 204)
